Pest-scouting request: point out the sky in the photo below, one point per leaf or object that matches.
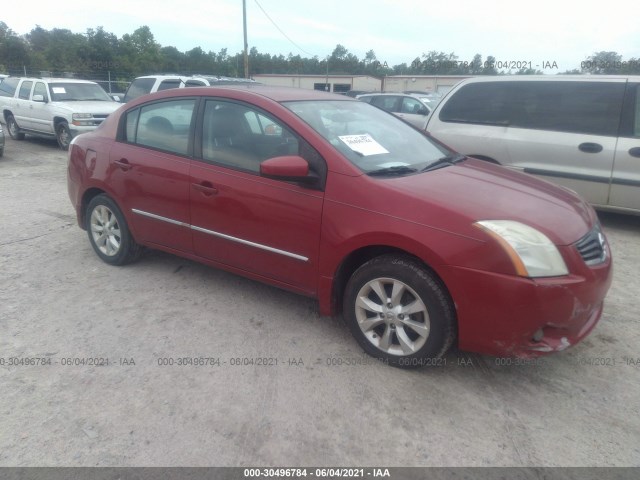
(549, 35)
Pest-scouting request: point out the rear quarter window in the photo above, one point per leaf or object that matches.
(164, 125)
(8, 87)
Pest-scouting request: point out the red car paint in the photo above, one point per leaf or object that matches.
(429, 216)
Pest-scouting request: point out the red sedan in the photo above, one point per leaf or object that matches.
(418, 247)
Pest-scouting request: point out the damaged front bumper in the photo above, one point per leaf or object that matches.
(507, 315)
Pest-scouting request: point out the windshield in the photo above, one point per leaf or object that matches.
(370, 138)
(65, 92)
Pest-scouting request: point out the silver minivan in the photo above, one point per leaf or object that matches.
(582, 132)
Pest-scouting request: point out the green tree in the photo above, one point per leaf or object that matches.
(13, 49)
(140, 53)
(602, 63)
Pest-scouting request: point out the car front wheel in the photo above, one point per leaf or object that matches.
(63, 135)
(399, 312)
(14, 130)
(108, 232)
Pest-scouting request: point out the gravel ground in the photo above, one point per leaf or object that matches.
(323, 404)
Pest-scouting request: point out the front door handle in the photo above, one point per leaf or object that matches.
(589, 147)
(124, 164)
(634, 152)
(206, 188)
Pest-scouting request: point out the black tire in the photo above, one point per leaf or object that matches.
(396, 334)
(114, 244)
(14, 130)
(63, 135)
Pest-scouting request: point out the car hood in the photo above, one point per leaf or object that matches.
(90, 107)
(454, 197)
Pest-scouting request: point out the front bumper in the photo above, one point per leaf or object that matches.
(506, 315)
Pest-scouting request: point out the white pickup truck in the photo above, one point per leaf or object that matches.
(53, 107)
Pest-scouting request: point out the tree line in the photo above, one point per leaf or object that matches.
(94, 53)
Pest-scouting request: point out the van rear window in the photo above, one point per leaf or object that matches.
(577, 107)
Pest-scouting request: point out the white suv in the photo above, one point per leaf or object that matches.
(154, 83)
(54, 107)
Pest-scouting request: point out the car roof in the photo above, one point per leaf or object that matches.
(210, 77)
(56, 79)
(555, 78)
(278, 94)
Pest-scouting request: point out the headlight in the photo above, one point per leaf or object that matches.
(82, 119)
(530, 251)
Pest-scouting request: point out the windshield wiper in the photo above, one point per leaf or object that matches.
(445, 162)
(395, 170)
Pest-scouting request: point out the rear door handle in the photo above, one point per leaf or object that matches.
(206, 188)
(589, 147)
(124, 164)
(634, 152)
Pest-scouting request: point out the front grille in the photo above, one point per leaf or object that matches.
(592, 247)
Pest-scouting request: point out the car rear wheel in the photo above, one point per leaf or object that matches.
(14, 130)
(108, 232)
(399, 312)
(63, 135)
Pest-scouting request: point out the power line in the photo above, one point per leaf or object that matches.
(280, 30)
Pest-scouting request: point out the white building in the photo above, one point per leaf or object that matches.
(335, 83)
(364, 83)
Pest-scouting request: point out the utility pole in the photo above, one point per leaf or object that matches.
(326, 82)
(246, 45)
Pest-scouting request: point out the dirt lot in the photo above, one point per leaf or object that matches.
(60, 303)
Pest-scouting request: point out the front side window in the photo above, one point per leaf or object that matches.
(370, 138)
(40, 89)
(238, 136)
(411, 105)
(163, 125)
(25, 89)
(480, 103)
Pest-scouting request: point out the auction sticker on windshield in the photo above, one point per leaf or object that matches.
(363, 144)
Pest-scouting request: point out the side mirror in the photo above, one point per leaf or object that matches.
(290, 168)
(116, 98)
(422, 111)
(38, 98)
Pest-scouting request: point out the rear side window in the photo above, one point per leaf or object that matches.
(163, 125)
(194, 83)
(388, 103)
(25, 89)
(8, 87)
(575, 107)
(139, 87)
